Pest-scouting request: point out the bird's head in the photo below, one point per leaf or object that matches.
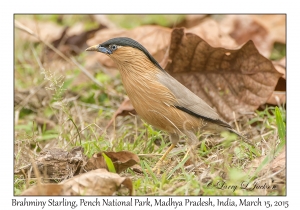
(125, 52)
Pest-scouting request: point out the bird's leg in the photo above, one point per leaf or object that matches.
(174, 139)
(187, 153)
(192, 143)
(159, 163)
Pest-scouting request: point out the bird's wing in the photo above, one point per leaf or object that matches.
(189, 102)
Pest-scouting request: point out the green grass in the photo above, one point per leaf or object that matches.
(278, 52)
(109, 163)
(81, 110)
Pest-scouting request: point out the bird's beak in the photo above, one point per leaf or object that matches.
(93, 48)
(98, 48)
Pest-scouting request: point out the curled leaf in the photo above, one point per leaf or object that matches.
(96, 182)
(121, 160)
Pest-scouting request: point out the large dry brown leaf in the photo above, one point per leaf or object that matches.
(121, 160)
(154, 38)
(44, 189)
(229, 80)
(96, 182)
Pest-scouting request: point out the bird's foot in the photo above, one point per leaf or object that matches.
(186, 154)
(159, 163)
(190, 156)
(157, 167)
(156, 170)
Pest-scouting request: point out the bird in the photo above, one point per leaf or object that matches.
(157, 97)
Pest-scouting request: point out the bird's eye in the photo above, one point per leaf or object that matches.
(113, 47)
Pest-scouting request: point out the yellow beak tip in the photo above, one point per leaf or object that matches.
(92, 48)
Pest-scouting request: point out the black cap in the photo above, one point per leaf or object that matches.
(125, 41)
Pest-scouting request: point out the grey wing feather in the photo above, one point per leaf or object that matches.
(190, 102)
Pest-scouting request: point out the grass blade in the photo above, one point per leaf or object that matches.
(280, 124)
(109, 163)
(281, 131)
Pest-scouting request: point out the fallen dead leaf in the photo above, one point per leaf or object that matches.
(280, 161)
(73, 39)
(274, 165)
(191, 21)
(277, 98)
(46, 30)
(96, 182)
(230, 80)
(245, 27)
(275, 24)
(137, 168)
(272, 173)
(95, 162)
(45, 189)
(210, 31)
(281, 66)
(124, 109)
(121, 160)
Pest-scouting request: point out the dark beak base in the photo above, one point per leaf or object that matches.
(98, 48)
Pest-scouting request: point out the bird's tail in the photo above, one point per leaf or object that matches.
(236, 132)
(244, 138)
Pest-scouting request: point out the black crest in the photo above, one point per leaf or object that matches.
(125, 41)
